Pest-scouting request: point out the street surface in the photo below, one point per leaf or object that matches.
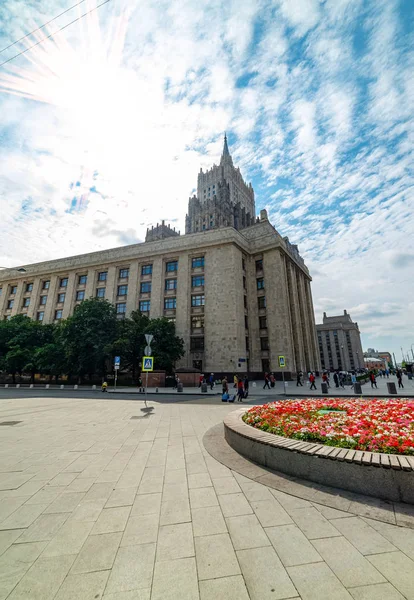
(102, 498)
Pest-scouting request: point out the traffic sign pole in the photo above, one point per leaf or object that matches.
(282, 365)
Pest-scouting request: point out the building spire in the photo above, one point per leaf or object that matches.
(225, 156)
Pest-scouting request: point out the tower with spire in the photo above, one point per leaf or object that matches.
(223, 198)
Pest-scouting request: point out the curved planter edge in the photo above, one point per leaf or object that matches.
(386, 476)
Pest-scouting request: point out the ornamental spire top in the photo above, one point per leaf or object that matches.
(225, 154)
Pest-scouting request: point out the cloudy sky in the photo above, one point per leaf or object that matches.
(103, 129)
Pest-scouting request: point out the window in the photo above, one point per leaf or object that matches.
(265, 365)
(29, 287)
(64, 282)
(246, 322)
(197, 343)
(122, 290)
(46, 285)
(170, 284)
(145, 287)
(197, 262)
(121, 308)
(146, 270)
(170, 303)
(42, 300)
(100, 292)
(243, 264)
(13, 289)
(102, 276)
(80, 295)
(197, 280)
(263, 322)
(82, 279)
(58, 314)
(10, 304)
(26, 302)
(40, 315)
(244, 282)
(262, 302)
(197, 300)
(245, 301)
(259, 265)
(123, 273)
(260, 283)
(197, 322)
(171, 266)
(264, 343)
(61, 298)
(247, 343)
(144, 305)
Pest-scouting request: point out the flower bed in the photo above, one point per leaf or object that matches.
(373, 425)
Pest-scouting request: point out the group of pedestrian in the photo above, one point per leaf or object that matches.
(240, 384)
(269, 381)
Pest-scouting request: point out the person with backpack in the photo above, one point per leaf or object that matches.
(373, 380)
(312, 381)
(299, 376)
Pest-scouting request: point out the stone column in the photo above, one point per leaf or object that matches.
(3, 297)
(132, 288)
(305, 321)
(311, 313)
(49, 307)
(297, 326)
(70, 296)
(183, 311)
(278, 312)
(157, 287)
(90, 291)
(110, 293)
(18, 298)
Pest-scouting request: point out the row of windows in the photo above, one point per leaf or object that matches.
(171, 303)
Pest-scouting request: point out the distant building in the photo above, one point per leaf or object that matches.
(339, 343)
(371, 362)
(385, 356)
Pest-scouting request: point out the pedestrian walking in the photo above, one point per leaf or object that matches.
(336, 379)
(299, 379)
(399, 379)
(272, 380)
(342, 380)
(312, 381)
(246, 386)
(373, 380)
(225, 385)
(211, 380)
(240, 390)
(266, 381)
(235, 381)
(104, 387)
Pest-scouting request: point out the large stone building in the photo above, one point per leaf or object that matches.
(239, 292)
(339, 343)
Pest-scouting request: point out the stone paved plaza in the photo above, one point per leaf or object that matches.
(101, 499)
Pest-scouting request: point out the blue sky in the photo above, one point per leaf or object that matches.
(113, 119)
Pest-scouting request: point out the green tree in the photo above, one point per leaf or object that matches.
(130, 342)
(167, 347)
(88, 336)
(20, 338)
(50, 358)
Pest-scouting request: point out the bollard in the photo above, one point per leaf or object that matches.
(391, 387)
(156, 390)
(6, 385)
(94, 387)
(75, 387)
(17, 385)
(254, 384)
(204, 388)
(358, 389)
(31, 386)
(62, 387)
(324, 388)
(179, 387)
(47, 386)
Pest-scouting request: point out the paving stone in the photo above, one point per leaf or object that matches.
(133, 595)
(175, 580)
(99, 491)
(313, 524)
(88, 511)
(270, 513)
(112, 519)
(141, 530)
(121, 497)
(15, 562)
(331, 513)
(215, 556)
(401, 537)
(246, 532)
(264, 574)
(43, 579)
(290, 502)
(69, 539)
(225, 588)
(252, 490)
(199, 480)
(151, 486)
(175, 476)
(233, 505)
(208, 521)
(398, 569)
(23, 517)
(175, 541)
(347, 563)
(146, 504)
(98, 553)
(66, 502)
(133, 569)
(63, 479)
(9, 537)
(173, 511)
(292, 546)
(226, 485)
(365, 538)
(14, 480)
(86, 586)
(46, 495)
(379, 591)
(9, 505)
(202, 497)
(317, 582)
(81, 485)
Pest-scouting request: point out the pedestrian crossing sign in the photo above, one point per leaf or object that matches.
(282, 363)
(148, 363)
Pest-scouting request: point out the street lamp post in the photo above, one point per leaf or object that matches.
(412, 351)
(342, 358)
(357, 353)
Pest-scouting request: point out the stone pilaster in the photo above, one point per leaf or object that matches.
(18, 298)
(297, 326)
(49, 307)
(132, 302)
(90, 290)
(34, 299)
(69, 304)
(111, 282)
(157, 287)
(183, 316)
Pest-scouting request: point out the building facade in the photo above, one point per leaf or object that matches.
(239, 298)
(339, 343)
